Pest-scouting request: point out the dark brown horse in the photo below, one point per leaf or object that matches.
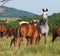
(30, 32)
(56, 32)
(15, 34)
(2, 29)
(8, 32)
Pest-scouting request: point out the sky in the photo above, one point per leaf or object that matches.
(35, 6)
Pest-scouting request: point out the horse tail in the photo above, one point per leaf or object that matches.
(19, 30)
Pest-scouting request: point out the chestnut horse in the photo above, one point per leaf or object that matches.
(2, 29)
(56, 32)
(26, 31)
(30, 32)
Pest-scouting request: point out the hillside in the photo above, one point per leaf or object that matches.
(12, 12)
(53, 20)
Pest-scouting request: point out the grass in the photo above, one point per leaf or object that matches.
(41, 49)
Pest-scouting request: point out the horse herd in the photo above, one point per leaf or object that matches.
(31, 31)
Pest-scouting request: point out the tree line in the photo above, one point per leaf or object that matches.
(53, 20)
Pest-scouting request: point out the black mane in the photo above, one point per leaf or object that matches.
(42, 21)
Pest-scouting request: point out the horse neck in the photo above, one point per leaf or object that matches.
(46, 23)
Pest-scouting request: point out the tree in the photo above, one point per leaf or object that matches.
(2, 4)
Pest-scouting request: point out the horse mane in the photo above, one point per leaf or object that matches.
(42, 22)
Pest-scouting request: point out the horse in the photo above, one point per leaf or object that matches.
(26, 31)
(2, 29)
(43, 24)
(8, 32)
(56, 33)
(15, 34)
(30, 32)
(34, 22)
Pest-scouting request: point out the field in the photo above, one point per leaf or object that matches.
(41, 49)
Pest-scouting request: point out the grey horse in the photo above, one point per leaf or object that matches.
(43, 24)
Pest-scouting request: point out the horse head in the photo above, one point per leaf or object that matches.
(45, 13)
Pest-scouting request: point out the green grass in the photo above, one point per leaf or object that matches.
(41, 49)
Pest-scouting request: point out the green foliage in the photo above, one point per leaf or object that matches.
(53, 20)
(2, 21)
(12, 24)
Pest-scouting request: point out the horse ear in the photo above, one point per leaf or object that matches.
(43, 10)
(46, 9)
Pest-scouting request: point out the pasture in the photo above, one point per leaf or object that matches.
(41, 49)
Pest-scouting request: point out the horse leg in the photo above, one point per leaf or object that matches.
(38, 39)
(54, 37)
(45, 38)
(33, 40)
(15, 41)
(21, 40)
(28, 41)
(1, 34)
(11, 42)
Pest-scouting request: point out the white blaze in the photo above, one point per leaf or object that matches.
(45, 14)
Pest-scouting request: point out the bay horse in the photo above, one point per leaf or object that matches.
(43, 24)
(2, 29)
(30, 32)
(56, 33)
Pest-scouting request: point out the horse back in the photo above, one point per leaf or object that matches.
(28, 30)
(23, 29)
